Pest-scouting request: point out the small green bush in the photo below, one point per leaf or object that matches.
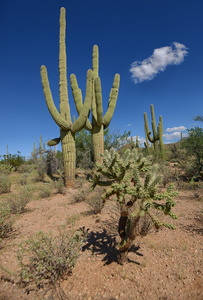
(23, 178)
(41, 168)
(45, 259)
(45, 191)
(95, 200)
(17, 203)
(6, 168)
(25, 168)
(59, 185)
(5, 221)
(5, 184)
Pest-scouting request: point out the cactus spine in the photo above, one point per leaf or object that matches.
(63, 119)
(99, 122)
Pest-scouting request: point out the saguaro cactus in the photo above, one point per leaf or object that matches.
(160, 135)
(99, 122)
(157, 134)
(33, 152)
(147, 141)
(63, 119)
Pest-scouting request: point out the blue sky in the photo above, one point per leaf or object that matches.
(156, 46)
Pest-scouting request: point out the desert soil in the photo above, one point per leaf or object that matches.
(165, 264)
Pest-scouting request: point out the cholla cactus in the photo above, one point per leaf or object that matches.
(99, 122)
(137, 198)
(63, 119)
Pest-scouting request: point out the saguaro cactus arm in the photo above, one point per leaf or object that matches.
(77, 95)
(84, 113)
(112, 101)
(50, 103)
(54, 142)
(98, 98)
(155, 136)
(154, 123)
(148, 132)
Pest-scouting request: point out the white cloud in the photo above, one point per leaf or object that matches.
(129, 125)
(158, 61)
(180, 128)
(174, 135)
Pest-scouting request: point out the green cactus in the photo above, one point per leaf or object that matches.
(33, 152)
(136, 194)
(160, 135)
(147, 141)
(133, 145)
(63, 119)
(137, 142)
(99, 122)
(181, 137)
(157, 139)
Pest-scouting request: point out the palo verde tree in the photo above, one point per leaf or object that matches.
(194, 146)
(63, 119)
(136, 197)
(99, 122)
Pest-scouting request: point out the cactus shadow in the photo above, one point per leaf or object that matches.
(102, 243)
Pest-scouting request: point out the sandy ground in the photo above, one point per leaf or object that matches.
(162, 265)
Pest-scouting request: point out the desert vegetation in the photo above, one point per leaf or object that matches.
(104, 218)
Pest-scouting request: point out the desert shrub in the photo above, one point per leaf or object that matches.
(81, 194)
(194, 145)
(17, 202)
(45, 259)
(45, 191)
(41, 168)
(59, 185)
(5, 221)
(25, 168)
(23, 179)
(14, 160)
(177, 154)
(6, 168)
(190, 168)
(52, 162)
(95, 200)
(5, 184)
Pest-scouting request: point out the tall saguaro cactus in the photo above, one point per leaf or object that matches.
(63, 119)
(99, 122)
(157, 139)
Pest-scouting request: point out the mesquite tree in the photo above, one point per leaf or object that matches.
(136, 197)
